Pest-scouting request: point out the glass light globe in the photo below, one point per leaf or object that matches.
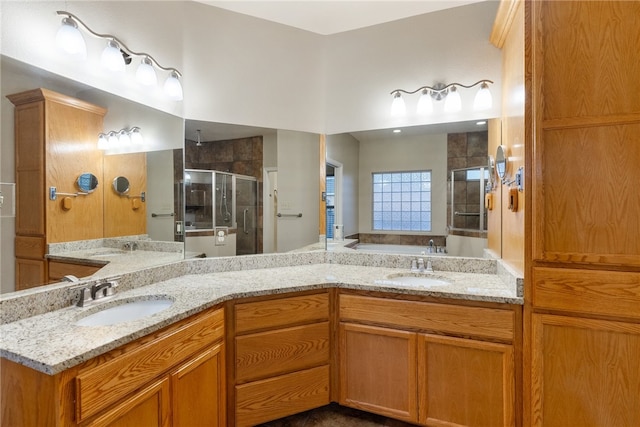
(146, 74)
(398, 108)
(136, 136)
(425, 105)
(172, 87)
(123, 138)
(112, 58)
(70, 40)
(483, 99)
(452, 103)
(103, 142)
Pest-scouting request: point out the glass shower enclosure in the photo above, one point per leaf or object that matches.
(221, 202)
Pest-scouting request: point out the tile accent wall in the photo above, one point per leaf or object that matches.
(466, 150)
(241, 156)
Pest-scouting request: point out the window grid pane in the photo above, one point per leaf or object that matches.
(407, 197)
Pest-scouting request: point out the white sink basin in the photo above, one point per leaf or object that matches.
(125, 312)
(416, 280)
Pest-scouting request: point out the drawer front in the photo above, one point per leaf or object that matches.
(57, 270)
(446, 318)
(587, 291)
(102, 385)
(285, 350)
(281, 312)
(278, 397)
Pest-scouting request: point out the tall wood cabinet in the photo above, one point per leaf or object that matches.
(55, 140)
(582, 291)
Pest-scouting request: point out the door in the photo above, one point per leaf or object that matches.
(465, 382)
(198, 390)
(378, 370)
(246, 216)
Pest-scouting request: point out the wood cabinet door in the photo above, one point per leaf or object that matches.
(585, 372)
(378, 370)
(148, 407)
(465, 382)
(198, 390)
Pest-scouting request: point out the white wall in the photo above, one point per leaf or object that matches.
(425, 152)
(160, 193)
(298, 189)
(345, 149)
(243, 70)
(364, 66)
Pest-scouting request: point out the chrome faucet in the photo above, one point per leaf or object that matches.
(102, 290)
(431, 246)
(131, 246)
(429, 268)
(89, 294)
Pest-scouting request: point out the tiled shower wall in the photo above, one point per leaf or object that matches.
(241, 156)
(465, 150)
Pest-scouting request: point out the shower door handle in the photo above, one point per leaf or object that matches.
(244, 213)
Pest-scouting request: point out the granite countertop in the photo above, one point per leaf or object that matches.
(51, 342)
(113, 261)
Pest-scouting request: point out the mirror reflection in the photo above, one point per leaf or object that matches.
(418, 189)
(258, 186)
(121, 185)
(87, 182)
(74, 234)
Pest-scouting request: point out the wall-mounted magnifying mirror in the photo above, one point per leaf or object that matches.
(87, 182)
(121, 185)
(501, 161)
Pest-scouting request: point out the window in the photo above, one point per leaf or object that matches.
(402, 201)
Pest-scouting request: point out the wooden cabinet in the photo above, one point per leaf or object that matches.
(281, 353)
(586, 372)
(582, 278)
(395, 360)
(148, 407)
(58, 269)
(465, 382)
(55, 140)
(175, 376)
(378, 371)
(198, 390)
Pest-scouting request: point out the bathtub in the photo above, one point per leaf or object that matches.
(395, 249)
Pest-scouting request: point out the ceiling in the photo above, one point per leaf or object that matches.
(327, 17)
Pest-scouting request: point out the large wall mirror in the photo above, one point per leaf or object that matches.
(250, 190)
(157, 163)
(437, 171)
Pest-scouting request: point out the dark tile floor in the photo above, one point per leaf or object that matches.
(334, 415)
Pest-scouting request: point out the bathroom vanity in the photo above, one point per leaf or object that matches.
(252, 339)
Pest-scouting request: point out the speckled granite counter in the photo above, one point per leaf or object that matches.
(51, 342)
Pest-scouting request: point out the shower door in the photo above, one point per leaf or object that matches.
(246, 215)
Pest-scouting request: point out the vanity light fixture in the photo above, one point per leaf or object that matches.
(116, 55)
(120, 139)
(440, 91)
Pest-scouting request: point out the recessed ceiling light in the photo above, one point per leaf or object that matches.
(481, 122)
(397, 130)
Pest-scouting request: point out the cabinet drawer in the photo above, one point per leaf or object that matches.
(281, 312)
(285, 350)
(278, 397)
(446, 318)
(57, 270)
(613, 293)
(100, 386)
